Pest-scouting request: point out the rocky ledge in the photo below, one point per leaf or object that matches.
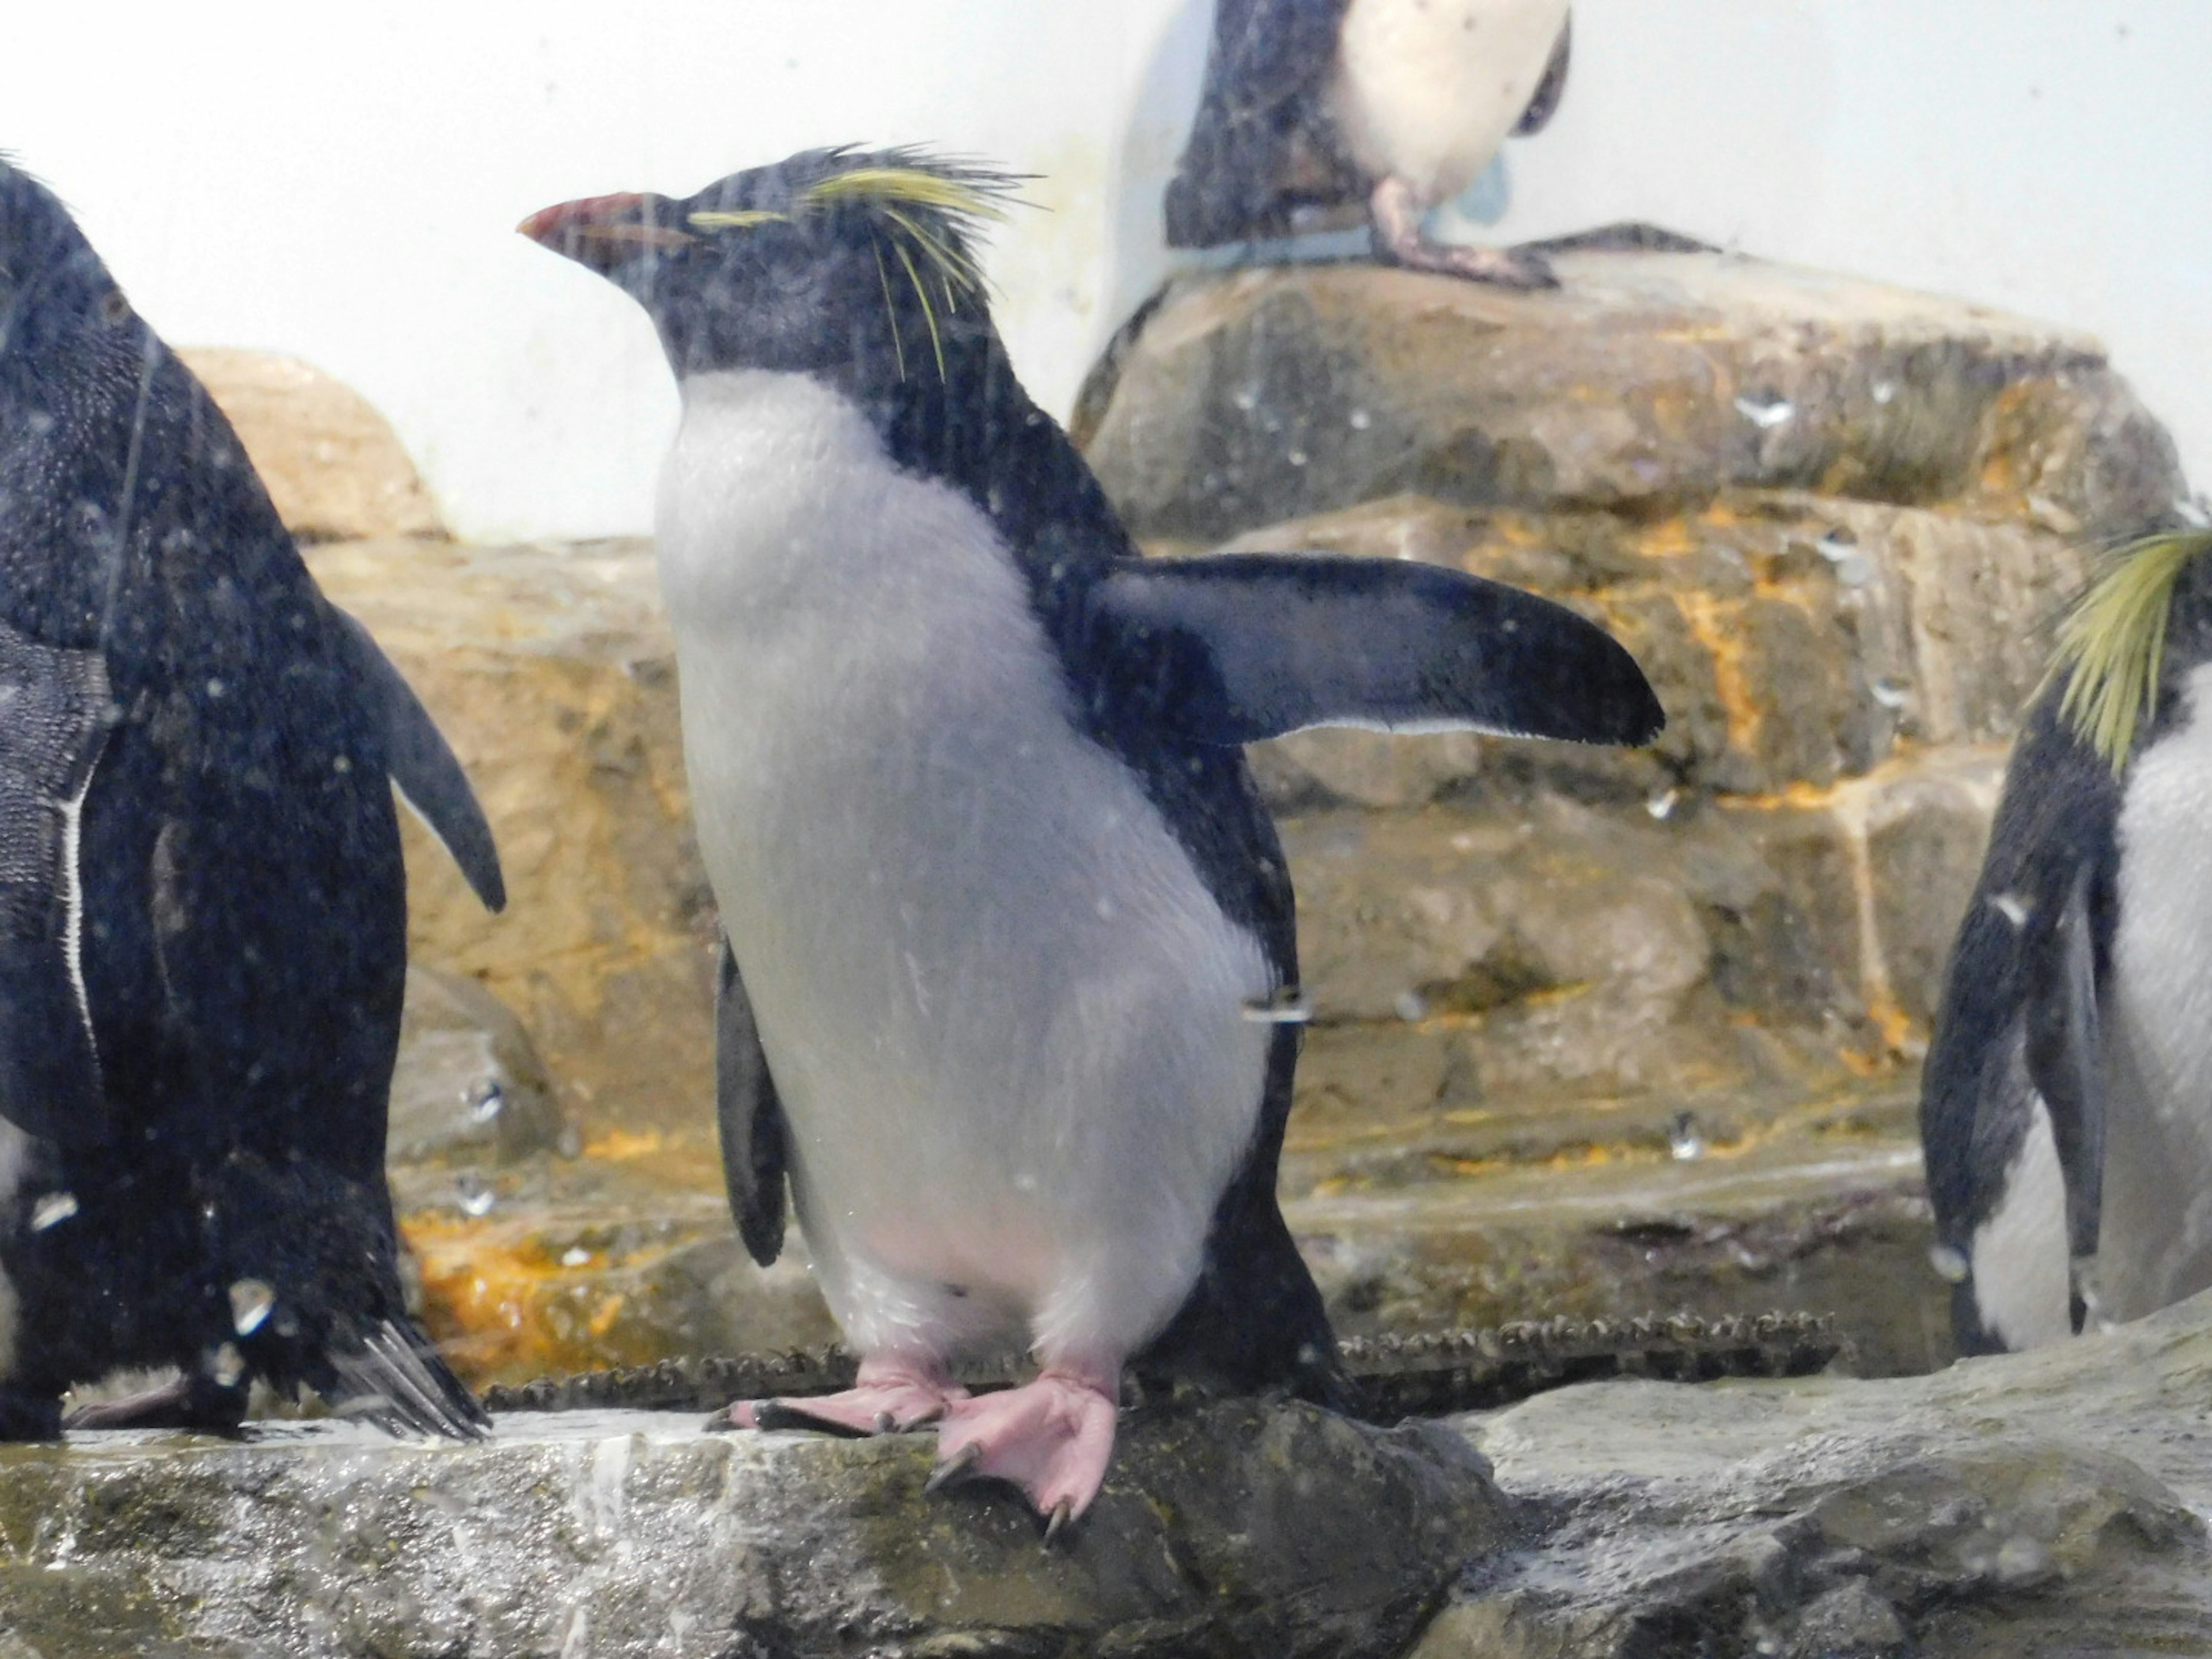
(2044, 1503)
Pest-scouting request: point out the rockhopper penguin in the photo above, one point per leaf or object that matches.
(203, 910)
(1008, 974)
(1398, 104)
(2066, 1109)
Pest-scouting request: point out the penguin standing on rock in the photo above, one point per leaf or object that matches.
(203, 910)
(1009, 980)
(1401, 104)
(2066, 1108)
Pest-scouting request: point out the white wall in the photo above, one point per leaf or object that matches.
(342, 184)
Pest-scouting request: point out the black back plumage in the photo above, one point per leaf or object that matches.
(241, 939)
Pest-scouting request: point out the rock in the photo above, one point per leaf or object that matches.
(1236, 1529)
(333, 465)
(2043, 1503)
(1256, 395)
(552, 673)
(469, 1083)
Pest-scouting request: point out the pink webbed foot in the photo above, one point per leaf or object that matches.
(889, 1396)
(1052, 1437)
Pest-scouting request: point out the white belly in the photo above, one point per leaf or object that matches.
(2155, 1245)
(1426, 90)
(1004, 1017)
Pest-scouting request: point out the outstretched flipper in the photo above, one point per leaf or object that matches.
(422, 766)
(54, 719)
(1236, 647)
(748, 1115)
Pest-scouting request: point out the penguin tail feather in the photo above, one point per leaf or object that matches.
(392, 1378)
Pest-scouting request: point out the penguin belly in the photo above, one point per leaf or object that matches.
(2155, 1240)
(1005, 1017)
(1426, 90)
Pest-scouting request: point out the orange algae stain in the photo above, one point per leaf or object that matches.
(1717, 624)
(504, 1308)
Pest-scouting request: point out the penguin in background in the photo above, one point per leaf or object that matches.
(1009, 993)
(1394, 104)
(202, 909)
(2066, 1105)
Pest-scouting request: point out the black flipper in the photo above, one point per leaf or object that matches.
(749, 1117)
(1544, 102)
(54, 719)
(390, 1378)
(423, 767)
(1236, 647)
(2065, 1061)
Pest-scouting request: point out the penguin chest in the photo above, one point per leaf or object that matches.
(2157, 1230)
(1426, 90)
(1004, 1015)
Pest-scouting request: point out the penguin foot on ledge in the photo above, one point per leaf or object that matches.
(1052, 1437)
(1400, 240)
(890, 1396)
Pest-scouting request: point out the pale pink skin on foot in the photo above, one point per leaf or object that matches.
(889, 1396)
(1397, 212)
(1052, 1437)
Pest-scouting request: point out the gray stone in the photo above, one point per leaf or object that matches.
(468, 1083)
(1234, 1530)
(2044, 1502)
(1256, 395)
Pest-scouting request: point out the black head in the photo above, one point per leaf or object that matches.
(857, 266)
(56, 297)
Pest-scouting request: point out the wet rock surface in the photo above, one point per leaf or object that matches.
(2043, 1504)
(1236, 1529)
(2048, 1504)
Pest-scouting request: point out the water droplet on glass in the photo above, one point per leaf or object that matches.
(486, 1101)
(569, 1143)
(215, 688)
(575, 1256)
(250, 1303)
(1837, 546)
(342, 764)
(1683, 1139)
(2012, 907)
(1766, 413)
(1246, 398)
(1884, 390)
(1361, 420)
(1950, 1265)
(1662, 805)
(1410, 1006)
(1890, 692)
(474, 1195)
(53, 1210)
(226, 1365)
(1298, 458)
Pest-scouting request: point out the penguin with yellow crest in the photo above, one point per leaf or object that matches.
(2066, 1108)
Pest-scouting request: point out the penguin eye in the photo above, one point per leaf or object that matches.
(114, 309)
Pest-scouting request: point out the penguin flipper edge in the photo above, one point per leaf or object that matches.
(1232, 648)
(423, 767)
(53, 724)
(2064, 1062)
(749, 1116)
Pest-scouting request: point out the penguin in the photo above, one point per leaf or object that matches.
(203, 909)
(1008, 989)
(2066, 1102)
(1400, 105)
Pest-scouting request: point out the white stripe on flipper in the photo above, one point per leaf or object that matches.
(72, 812)
(2023, 1283)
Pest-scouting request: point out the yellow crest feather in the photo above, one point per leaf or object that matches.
(2111, 648)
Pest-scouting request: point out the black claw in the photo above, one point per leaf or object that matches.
(790, 1414)
(952, 1468)
(1060, 1522)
